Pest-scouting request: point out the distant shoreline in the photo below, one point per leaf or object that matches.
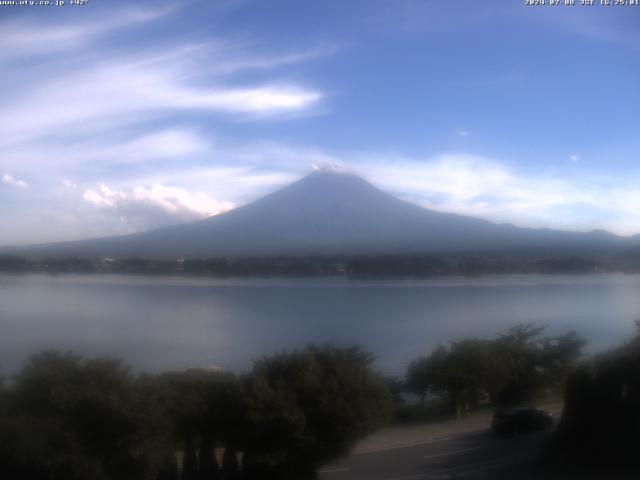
(353, 267)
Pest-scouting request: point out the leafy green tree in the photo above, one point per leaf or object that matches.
(72, 419)
(154, 404)
(309, 407)
(189, 461)
(396, 390)
(599, 430)
(230, 465)
(208, 467)
(520, 355)
(419, 378)
(532, 363)
(511, 369)
(199, 404)
(168, 469)
(458, 372)
(559, 357)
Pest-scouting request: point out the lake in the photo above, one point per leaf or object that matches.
(163, 323)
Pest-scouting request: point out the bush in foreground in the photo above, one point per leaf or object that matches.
(66, 418)
(310, 407)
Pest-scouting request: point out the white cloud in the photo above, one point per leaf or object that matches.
(131, 114)
(234, 62)
(11, 181)
(22, 38)
(574, 158)
(486, 188)
(126, 114)
(151, 206)
(92, 154)
(117, 93)
(477, 186)
(94, 89)
(158, 145)
(459, 183)
(330, 167)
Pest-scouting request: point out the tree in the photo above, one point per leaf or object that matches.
(559, 356)
(168, 469)
(532, 363)
(511, 369)
(189, 460)
(198, 405)
(307, 408)
(230, 465)
(418, 379)
(458, 372)
(73, 419)
(396, 389)
(600, 425)
(208, 468)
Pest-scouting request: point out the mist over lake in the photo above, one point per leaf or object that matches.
(160, 323)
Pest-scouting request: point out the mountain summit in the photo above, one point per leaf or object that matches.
(329, 212)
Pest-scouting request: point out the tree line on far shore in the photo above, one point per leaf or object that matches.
(410, 265)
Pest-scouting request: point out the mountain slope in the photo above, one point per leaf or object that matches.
(329, 213)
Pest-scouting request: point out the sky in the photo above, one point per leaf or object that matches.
(122, 116)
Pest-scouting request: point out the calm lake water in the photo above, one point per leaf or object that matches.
(159, 323)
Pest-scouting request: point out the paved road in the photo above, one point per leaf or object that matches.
(475, 455)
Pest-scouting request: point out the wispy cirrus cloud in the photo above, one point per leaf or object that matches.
(132, 115)
(229, 63)
(26, 38)
(117, 92)
(90, 158)
(153, 115)
(94, 85)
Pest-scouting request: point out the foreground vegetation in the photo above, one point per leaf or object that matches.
(599, 431)
(64, 417)
(515, 368)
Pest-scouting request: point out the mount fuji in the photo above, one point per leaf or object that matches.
(328, 213)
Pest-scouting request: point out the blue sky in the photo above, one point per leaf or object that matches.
(123, 116)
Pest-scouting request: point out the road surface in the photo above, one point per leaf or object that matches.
(463, 456)
(450, 450)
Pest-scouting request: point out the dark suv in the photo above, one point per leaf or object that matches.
(509, 421)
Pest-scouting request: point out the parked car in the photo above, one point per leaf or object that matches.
(521, 420)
